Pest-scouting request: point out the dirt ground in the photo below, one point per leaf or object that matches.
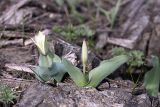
(136, 27)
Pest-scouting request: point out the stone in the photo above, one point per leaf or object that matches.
(68, 95)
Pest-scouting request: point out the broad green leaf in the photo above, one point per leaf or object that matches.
(105, 68)
(56, 58)
(152, 78)
(35, 69)
(45, 60)
(59, 76)
(60, 69)
(78, 77)
(45, 74)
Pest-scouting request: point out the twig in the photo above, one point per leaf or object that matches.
(28, 42)
(11, 42)
(16, 79)
(14, 34)
(25, 68)
(127, 43)
(37, 18)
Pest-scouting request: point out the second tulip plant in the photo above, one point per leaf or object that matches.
(52, 68)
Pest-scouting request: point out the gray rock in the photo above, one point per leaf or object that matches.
(67, 95)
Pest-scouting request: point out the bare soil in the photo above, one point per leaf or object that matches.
(137, 27)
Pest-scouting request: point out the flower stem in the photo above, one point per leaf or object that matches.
(84, 68)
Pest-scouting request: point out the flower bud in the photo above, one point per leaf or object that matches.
(41, 43)
(84, 54)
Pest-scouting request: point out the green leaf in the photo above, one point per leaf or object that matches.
(59, 67)
(152, 78)
(77, 76)
(136, 58)
(56, 58)
(56, 71)
(119, 51)
(45, 60)
(59, 76)
(44, 74)
(71, 32)
(6, 94)
(105, 68)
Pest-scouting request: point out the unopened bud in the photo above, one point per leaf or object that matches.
(84, 54)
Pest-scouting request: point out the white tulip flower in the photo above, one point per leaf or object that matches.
(41, 42)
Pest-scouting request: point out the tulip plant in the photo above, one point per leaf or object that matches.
(52, 67)
(49, 65)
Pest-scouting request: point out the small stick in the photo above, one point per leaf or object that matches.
(25, 68)
(11, 42)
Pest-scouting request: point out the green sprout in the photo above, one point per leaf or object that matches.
(136, 59)
(111, 15)
(6, 95)
(118, 51)
(71, 32)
